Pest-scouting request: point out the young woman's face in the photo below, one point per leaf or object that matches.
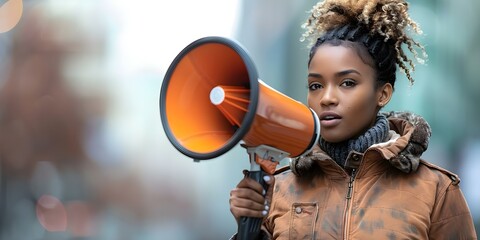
(342, 92)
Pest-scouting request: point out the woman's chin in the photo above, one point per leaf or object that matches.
(333, 138)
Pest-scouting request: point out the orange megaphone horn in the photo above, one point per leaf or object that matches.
(211, 99)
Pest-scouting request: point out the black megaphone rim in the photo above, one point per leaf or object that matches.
(252, 107)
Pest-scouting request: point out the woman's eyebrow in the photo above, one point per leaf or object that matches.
(315, 75)
(346, 72)
(338, 74)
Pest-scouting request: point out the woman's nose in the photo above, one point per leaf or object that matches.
(330, 96)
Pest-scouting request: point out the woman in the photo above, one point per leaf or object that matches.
(365, 179)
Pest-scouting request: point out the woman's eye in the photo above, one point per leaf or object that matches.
(314, 86)
(349, 83)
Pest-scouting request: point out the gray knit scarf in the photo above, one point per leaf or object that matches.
(339, 151)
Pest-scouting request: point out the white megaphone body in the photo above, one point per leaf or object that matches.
(212, 99)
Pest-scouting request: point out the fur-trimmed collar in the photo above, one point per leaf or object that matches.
(405, 146)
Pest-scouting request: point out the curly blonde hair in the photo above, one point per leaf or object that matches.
(388, 19)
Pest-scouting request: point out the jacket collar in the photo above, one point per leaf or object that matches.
(409, 138)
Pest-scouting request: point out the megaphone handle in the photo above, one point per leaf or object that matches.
(249, 227)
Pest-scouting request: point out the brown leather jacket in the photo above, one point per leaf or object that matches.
(385, 193)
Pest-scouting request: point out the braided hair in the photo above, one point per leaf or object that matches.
(377, 29)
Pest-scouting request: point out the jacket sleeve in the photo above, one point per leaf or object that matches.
(451, 218)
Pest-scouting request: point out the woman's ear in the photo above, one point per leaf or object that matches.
(384, 94)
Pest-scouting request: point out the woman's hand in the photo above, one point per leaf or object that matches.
(249, 199)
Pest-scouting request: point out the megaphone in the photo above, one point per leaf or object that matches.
(211, 99)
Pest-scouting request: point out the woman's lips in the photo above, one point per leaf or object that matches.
(330, 123)
(329, 119)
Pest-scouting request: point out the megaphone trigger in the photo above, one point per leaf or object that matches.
(264, 157)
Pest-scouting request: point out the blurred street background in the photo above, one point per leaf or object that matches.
(82, 151)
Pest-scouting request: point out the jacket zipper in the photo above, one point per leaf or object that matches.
(346, 220)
